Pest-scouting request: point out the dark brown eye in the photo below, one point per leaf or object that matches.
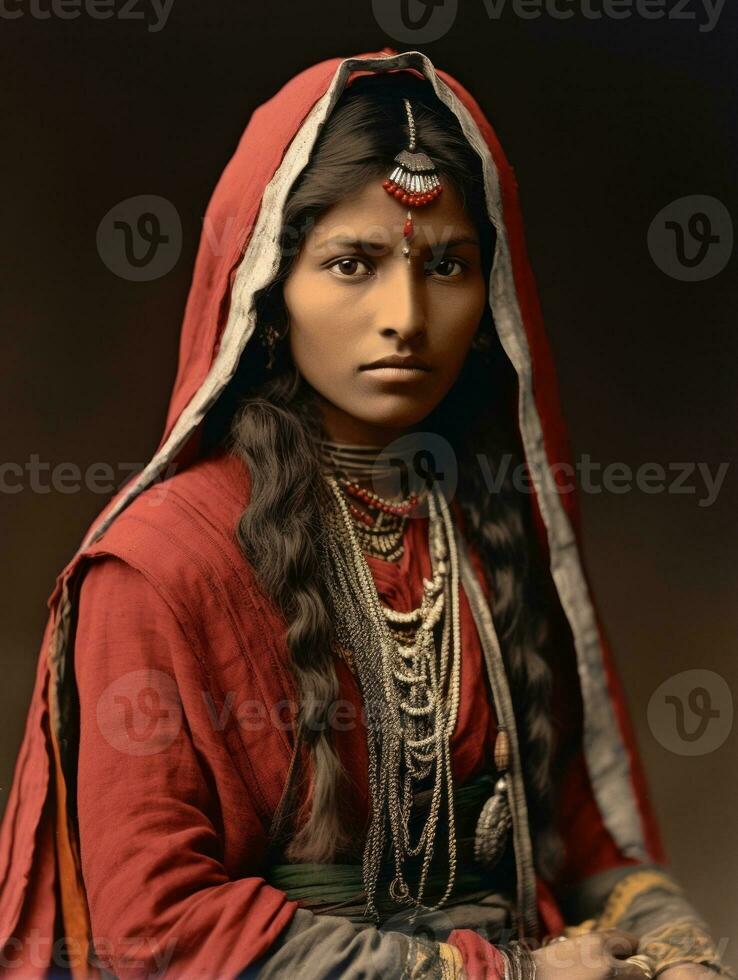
(347, 267)
(445, 266)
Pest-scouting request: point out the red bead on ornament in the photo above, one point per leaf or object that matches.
(413, 199)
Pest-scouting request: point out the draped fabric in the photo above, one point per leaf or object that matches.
(185, 808)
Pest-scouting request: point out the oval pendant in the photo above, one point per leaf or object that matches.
(502, 749)
(493, 825)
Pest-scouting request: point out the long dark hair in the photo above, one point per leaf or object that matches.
(269, 419)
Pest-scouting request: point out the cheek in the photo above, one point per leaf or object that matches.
(317, 342)
(317, 334)
(477, 301)
(323, 347)
(460, 317)
(318, 358)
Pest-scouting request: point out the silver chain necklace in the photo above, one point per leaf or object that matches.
(411, 692)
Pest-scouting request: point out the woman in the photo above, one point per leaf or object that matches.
(312, 704)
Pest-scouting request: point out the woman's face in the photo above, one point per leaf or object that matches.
(354, 300)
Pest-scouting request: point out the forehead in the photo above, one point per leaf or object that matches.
(371, 213)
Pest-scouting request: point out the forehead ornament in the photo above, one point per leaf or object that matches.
(414, 180)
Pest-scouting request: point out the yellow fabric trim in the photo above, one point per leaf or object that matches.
(681, 941)
(581, 929)
(628, 889)
(452, 962)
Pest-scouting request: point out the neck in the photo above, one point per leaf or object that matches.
(390, 474)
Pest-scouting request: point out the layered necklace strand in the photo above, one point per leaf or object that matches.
(379, 523)
(410, 689)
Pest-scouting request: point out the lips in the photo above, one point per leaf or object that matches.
(407, 362)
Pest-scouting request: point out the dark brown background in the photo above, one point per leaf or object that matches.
(605, 123)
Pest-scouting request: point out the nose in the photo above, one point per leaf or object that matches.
(402, 312)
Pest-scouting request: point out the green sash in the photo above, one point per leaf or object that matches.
(338, 889)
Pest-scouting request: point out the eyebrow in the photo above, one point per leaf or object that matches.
(362, 244)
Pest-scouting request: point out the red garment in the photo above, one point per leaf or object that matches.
(185, 742)
(179, 567)
(161, 802)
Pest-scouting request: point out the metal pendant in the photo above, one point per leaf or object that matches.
(493, 826)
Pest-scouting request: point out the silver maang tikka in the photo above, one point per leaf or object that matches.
(414, 180)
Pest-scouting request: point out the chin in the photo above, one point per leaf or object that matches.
(392, 412)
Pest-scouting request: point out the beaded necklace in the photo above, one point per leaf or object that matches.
(379, 523)
(409, 676)
(410, 683)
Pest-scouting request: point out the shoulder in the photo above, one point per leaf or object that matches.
(180, 532)
(211, 492)
(183, 509)
(171, 562)
(122, 622)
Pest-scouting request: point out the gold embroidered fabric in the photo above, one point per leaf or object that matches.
(433, 961)
(452, 961)
(681, 940)
(589, 925)
(628, 889)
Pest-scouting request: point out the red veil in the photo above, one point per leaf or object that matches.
(41, 895)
